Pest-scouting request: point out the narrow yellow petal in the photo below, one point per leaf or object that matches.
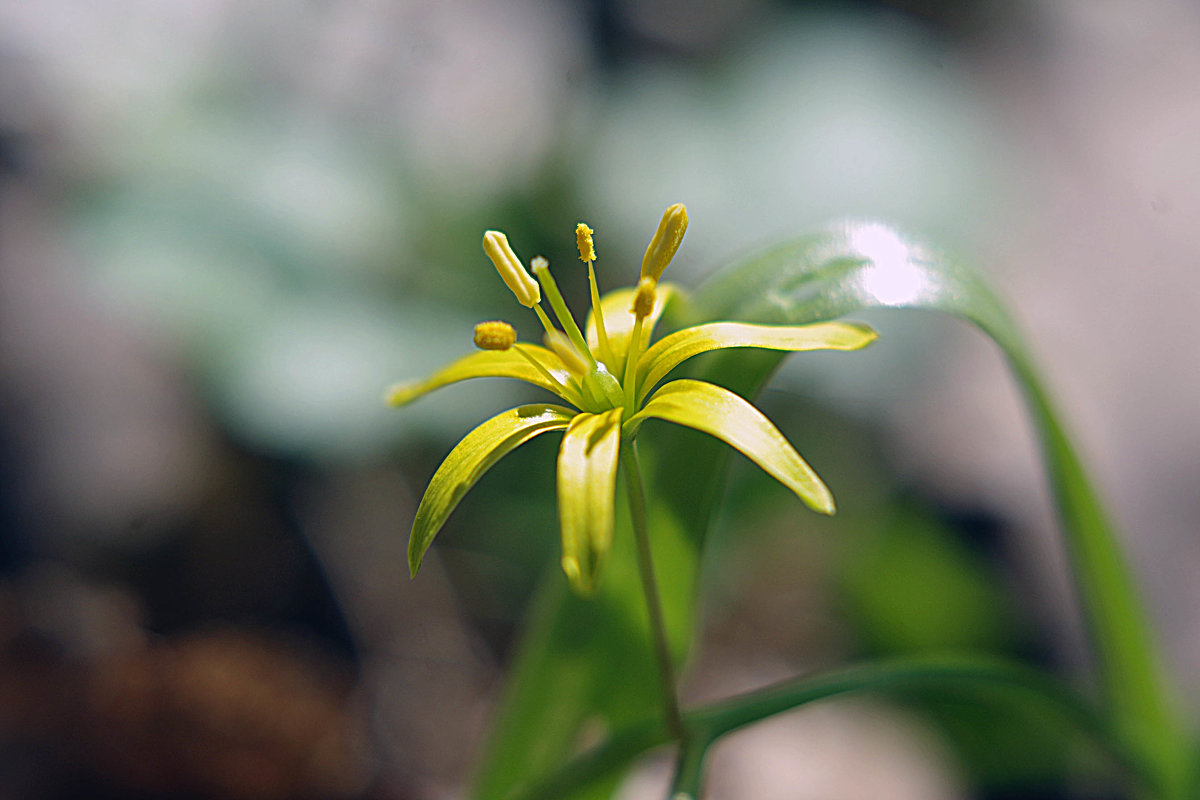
(732, 419)
(587, 478)
(673, 349)
(492, 364)
(469, 460)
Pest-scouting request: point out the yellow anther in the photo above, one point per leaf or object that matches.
(665, 242)
(495, 244)
(643, 300)
(583, 240)
(572, 359)
(495, 335)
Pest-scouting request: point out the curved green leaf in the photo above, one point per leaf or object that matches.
(587, 481)
(863, 264)
(735, 421)
(672, 350)
(820, 277)
(469, 460)
(492, 364)
(972, 680)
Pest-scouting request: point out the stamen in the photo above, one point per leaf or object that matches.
(564, 349)
(495, 335)
(496, 245)
(643, 305)
(541, 269)
(583, 240)
(666, 241)
(570, 392)
(541, 315)
(643, 301)
(598, 314)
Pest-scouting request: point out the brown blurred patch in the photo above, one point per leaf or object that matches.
(225, 713)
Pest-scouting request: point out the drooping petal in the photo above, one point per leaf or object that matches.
(492, 364)
(732, 419)
(587, 478)
(470, 459)
(618, 321)
(672, 350)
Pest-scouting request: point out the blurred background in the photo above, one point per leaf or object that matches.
(226, 226)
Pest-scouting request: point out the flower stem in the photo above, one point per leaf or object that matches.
(658, 628)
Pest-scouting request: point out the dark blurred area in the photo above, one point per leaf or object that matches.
(227, 226)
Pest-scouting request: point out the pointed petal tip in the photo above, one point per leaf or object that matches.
(583, 583)
(400, 394)
(415, 557)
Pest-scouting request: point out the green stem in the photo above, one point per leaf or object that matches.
(658, 627)
(689, 775)
(706, 724)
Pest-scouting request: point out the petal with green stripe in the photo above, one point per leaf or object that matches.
(470, 459)
(735, 421)
(492, 364)
(673, 350)
(587, 478)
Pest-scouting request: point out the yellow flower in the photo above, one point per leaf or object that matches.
(609, 377)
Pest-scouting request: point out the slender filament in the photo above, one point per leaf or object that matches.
(541, 270)
(574, 396)
(598, 313)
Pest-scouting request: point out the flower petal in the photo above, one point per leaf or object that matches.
(587, 478)
(618, 321)
(732, 419)
(672, 350)
(470, 459)
(491, 364)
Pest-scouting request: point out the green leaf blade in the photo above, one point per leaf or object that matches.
(732, 419)
(815, 278)
(864, 264)
(478, 451)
